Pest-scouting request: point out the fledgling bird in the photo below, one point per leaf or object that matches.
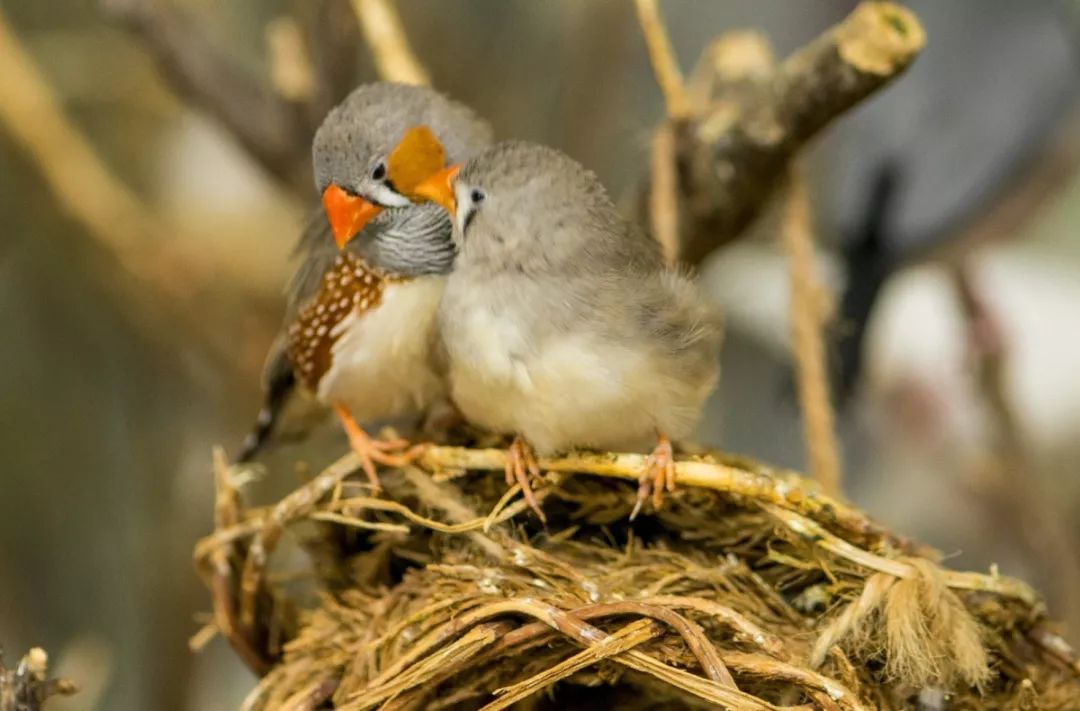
(561, 322)
(360, 328)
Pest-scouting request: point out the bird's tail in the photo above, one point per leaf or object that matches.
(279, 382)
(870, 261)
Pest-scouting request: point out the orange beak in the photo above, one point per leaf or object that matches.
(439, 188)
(347, 213)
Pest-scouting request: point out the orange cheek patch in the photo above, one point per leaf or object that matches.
(418, 155)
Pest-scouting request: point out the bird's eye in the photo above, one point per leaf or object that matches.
(477, 196)
(379, 172)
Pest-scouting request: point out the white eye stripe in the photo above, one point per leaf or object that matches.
(463, 198)
(383, 195)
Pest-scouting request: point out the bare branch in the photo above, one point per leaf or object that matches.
(664, 62)
(159, 280)
(807, 315)
(290, 66)
(27, 686)
(664, 193)
(382, 29)
(733, 155)
(83, 185)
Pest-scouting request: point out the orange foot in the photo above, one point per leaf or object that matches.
(658, 474)
(391, 453)
(520, 465)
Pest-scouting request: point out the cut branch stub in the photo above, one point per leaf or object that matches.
(733, 153)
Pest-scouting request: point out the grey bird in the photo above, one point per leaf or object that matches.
(360, 328)
(561, 323)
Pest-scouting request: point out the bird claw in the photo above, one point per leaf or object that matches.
(395, 452)
(657, 475)
(521, 464)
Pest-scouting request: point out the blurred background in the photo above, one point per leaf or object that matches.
(137, 300)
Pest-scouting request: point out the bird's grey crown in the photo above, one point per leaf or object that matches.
(544, 210)
(369, 123)
(555, 297)
(520, 165)
(406, 241)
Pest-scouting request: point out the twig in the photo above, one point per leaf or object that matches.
(664, 193)
(1012, 483)
(159, 283)
(354, 522)
(691, 632)
(295, 504)
(290, 66)
(27, 687)
(787, 490)
(312, 696)
(737, 622)
(765, 667)
(256, 518)
(566, 623)
(382, 29)
(811, 531)
(806, 317)
(447, 498)
(83, 186)
(732, 156)
(461, 650)
(788, 499)
(219, 572)
(664, 63)
(622, 640)
(474, 524)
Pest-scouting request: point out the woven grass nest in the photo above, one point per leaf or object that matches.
(748, 589)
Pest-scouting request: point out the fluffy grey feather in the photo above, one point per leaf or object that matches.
(408, 240)
(368, 124)
(560, 321)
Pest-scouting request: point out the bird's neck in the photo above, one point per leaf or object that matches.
(411, 241)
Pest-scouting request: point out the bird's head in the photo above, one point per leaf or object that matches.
(360, 186)
(518, 195)
(379, 144)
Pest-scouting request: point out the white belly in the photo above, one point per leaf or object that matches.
(576, 392)
(560, 390)
(383, 362)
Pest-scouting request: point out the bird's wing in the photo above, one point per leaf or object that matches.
(316, 253)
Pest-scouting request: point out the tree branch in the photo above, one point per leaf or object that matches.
(664, 62)
(27, 687)
(161, 282)
(394, 57)
(732, 154)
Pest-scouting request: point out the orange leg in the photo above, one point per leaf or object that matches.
(520, 465)
(658, 474)
(392, 453)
